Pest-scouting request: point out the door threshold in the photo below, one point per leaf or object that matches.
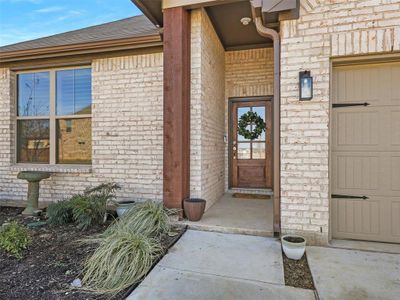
(256, 191)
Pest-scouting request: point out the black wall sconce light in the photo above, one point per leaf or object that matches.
(305, 85)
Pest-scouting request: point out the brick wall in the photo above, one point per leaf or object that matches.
(325, 29)
(126, 133)
(207, 111)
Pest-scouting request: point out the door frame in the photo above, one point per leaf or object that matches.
(347, 61)
(230, 124)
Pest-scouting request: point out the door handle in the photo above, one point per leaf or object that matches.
(349, 196)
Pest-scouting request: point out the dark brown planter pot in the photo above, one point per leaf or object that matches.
(194, 208)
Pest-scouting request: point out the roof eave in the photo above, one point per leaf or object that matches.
(73, 49)
(151, 14)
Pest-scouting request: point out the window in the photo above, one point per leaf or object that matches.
(54, 123)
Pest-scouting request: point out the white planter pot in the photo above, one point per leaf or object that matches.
(123, 206)
(293, 250)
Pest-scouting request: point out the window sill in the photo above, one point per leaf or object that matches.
(53, 168)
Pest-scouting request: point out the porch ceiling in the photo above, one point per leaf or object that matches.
(226, 15)
(232, 33)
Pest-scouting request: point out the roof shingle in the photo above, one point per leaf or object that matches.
(138, 26)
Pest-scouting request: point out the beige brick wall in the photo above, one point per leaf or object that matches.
(126, 133)
(207, 111)
(325, 29)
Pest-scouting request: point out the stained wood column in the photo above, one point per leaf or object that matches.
(176, 106)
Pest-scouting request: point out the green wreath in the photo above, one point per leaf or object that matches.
(248, 118)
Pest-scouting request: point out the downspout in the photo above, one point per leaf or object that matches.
(274, 35)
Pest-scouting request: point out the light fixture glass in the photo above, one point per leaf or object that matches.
(305, 85)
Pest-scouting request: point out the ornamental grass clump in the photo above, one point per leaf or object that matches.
(148, 218)
(120, 261)
(14, 238)
(127, 249)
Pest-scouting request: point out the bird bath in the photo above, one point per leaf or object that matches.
(33, 178)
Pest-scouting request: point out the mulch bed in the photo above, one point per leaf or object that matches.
(297, 273)
(51, 262)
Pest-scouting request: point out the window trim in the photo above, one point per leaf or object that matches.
(52, 117)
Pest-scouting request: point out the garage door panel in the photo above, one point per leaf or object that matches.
(366, 83)
(395, 224)
(395, 128)
(354, 172)
(365, 173)
(358, 216)
(395, 171)
(365, 152)
(357, 128)
(374, 219)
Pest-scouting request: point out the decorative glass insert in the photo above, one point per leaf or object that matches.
(74, 92)
(74, 141)
(33, 141)
(246, 148)
(258, 150)
(241, 112)
(244, 151)
(33, 94)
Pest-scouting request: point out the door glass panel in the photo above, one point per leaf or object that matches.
(259, 150)
(243, 151)
(261, 112)
(241, 112)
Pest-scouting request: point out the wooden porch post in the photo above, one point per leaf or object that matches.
(176, 106)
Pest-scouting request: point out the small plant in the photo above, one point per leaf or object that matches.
(59, 213)
(14, 238)
(84, 209)
(148, 218)
(120, 261)
(91, 207)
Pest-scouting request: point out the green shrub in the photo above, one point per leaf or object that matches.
(14, 238)
(59, 213)
(120, 261)
(148, 218)
(91, 207)
(84, 209)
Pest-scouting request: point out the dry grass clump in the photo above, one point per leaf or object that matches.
(127, 249)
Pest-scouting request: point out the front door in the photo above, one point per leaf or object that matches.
(251, 151)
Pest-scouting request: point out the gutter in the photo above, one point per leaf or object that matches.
(82, 48)
(274, 35)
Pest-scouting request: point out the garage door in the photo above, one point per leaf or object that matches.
(365, 152)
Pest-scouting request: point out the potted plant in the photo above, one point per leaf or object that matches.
(123, 206)
(194, 208)
(293, 246)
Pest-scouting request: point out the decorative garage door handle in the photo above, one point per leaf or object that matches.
(335, 105)
(349, 196)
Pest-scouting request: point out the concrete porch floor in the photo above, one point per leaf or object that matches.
(237, 215)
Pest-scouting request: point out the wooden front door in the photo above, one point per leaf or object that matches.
(251, 160)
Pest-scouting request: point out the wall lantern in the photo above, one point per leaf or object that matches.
(305, 85)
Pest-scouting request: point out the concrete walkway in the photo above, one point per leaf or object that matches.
(354, 275)
(218, 266)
